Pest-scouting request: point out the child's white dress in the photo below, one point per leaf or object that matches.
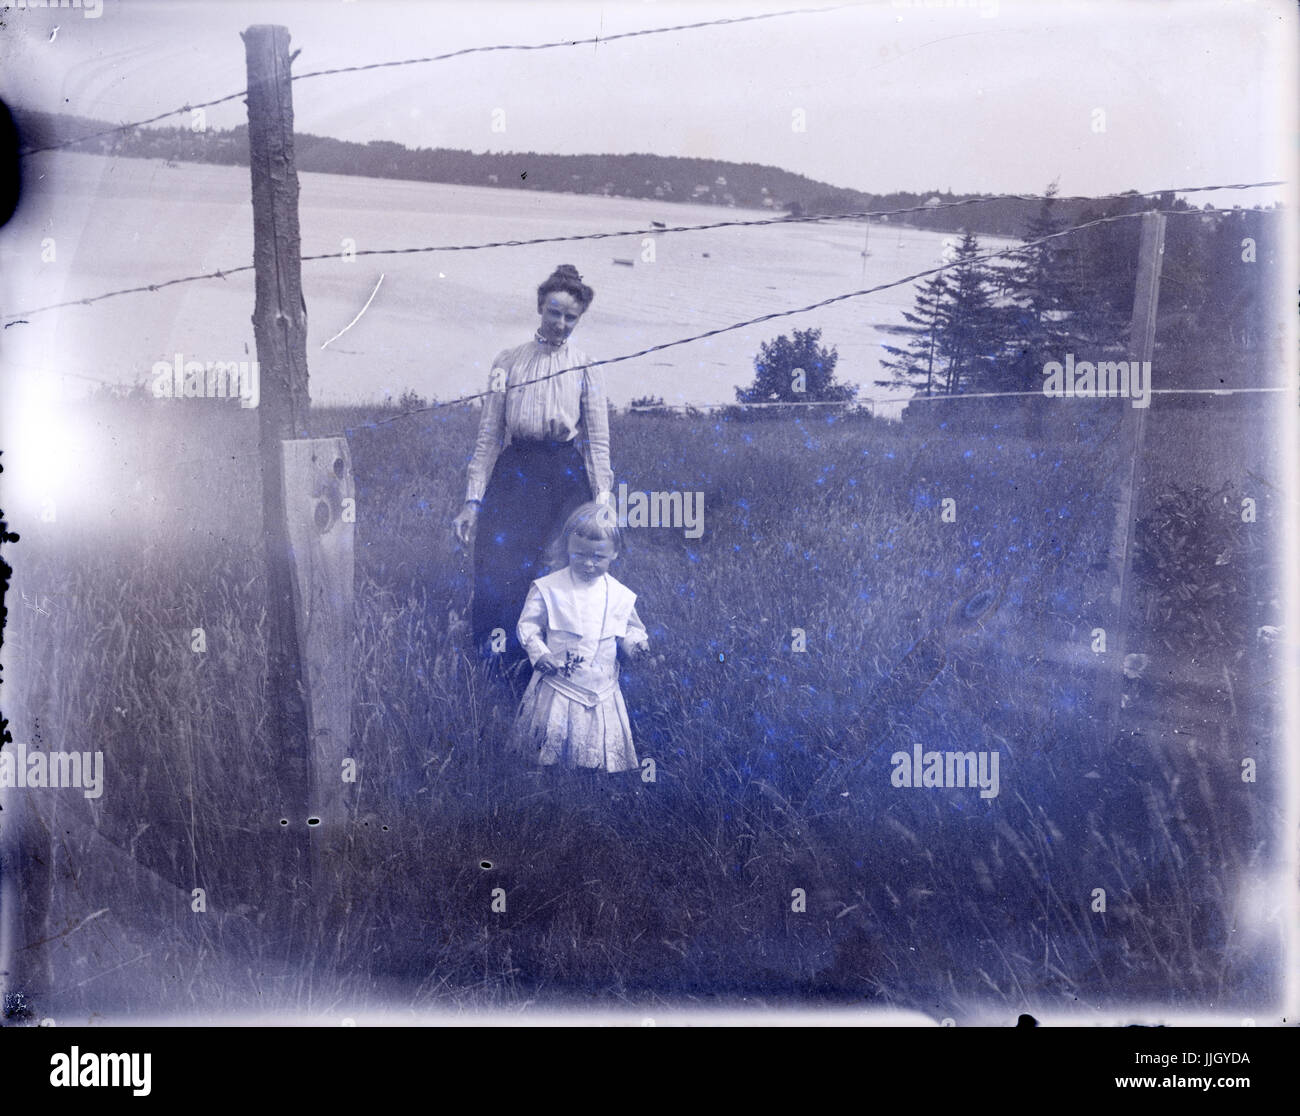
(577, 719)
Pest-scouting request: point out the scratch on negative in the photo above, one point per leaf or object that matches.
(69, 930)
(114, 969)
(359, 313)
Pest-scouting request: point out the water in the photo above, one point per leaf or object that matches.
(438, 318)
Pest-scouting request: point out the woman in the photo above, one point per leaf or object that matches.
(542, 450)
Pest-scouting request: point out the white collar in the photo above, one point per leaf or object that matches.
(578, 587)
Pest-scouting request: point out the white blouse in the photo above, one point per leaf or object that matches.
(531, 408)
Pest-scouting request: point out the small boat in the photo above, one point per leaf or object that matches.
(657, 225)
(624, 263)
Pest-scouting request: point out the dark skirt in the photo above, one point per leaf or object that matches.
(534, 488)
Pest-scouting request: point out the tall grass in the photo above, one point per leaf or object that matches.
(771, 772)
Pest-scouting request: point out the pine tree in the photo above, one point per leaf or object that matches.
(1036, 333)
(971, 343)
(917, 365)
(955, 329)
(1056, 306)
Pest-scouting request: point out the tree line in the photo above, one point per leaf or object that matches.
(651, 177)
(989, 325)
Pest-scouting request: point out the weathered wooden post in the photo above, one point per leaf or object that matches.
(319, 503)
(10, 924)
(306, 485)
(280, 329)
(1142, 341)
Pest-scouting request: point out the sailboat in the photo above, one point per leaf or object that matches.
(866, 249)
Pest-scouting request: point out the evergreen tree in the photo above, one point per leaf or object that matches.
(1036, 332)
(955, 329)
(1056, 304)
(796, 371)
(971, 341)
(918, 364)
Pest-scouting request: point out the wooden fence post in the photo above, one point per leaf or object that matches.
(308, 500)
(10, 899)
(280, 329)
(1142, 340)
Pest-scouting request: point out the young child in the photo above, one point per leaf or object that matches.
(572, 624)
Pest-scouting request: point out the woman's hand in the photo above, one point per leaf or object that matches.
(549, 664)
(464, 524)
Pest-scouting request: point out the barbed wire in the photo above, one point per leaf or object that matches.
(857, 401)
(861, 401)
(27, 151)
(790, 219)
(915, 276)
(442, 58)
(594, 40)
(20, 316)
(978, 258)
(870, 402)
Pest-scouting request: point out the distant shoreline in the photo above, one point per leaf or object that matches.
(717, 183)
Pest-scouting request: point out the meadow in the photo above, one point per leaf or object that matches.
(772, 765)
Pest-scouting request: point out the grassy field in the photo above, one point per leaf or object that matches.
(772, 766)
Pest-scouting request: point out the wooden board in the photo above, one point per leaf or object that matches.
(1142, 338)
(319, 504)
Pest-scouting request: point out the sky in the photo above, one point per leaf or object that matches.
(978, 95)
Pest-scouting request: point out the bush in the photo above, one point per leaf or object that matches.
(778, 366)
(650, 405)
(1193, 554)
(411, 400)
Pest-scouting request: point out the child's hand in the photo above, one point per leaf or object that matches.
(549, 664)
(639, 653)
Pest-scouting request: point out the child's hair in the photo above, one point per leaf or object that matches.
(590, 521)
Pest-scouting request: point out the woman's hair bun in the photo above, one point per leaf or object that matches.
(565, 278)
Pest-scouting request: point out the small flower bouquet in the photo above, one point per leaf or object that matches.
(571, 663)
